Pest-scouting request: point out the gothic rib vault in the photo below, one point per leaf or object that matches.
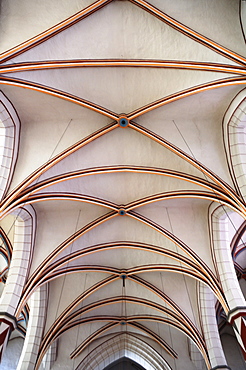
(123, 184)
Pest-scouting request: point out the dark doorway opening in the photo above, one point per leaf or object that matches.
(124, 363)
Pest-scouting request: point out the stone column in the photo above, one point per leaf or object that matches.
(231, 288)
(36, 323)
(210, 329)
(24, 231)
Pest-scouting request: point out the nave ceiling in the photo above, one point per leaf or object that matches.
(125, 161)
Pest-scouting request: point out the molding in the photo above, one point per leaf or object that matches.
(233, 314)
(8, 319)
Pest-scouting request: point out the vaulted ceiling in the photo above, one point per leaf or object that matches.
(122, 147)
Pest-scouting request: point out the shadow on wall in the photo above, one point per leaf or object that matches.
(232, 350)
(12, 354)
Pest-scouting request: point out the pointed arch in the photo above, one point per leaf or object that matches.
(123, 344)
(9, 142)
(234, 127)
